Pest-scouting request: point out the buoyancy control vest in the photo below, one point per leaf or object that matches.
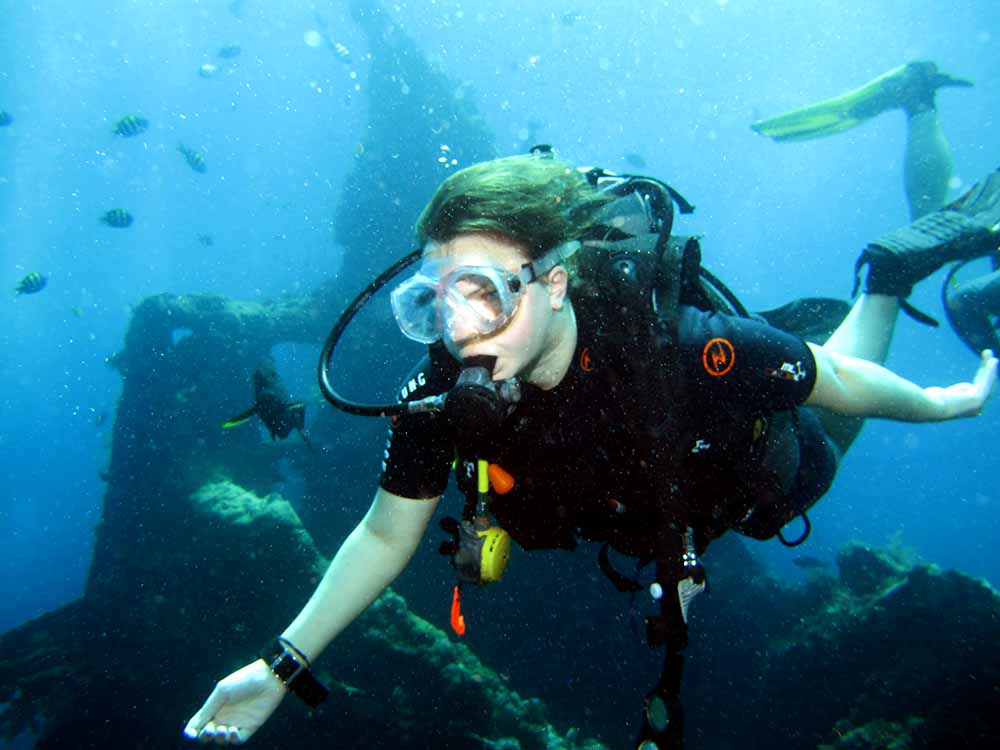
(632, 279)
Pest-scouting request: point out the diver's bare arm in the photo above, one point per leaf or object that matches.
(367, 562)
(855, 387)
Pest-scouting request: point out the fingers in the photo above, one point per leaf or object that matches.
(201, 719)
(220, 734)
(202, 726)
(987, 374)
(970, 398)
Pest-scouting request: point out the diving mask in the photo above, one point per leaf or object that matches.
(464, 302)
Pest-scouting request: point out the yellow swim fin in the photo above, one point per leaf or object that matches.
(910, 87)
(240, 418)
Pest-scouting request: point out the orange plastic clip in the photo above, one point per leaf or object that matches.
(501, 481)
(457, 620)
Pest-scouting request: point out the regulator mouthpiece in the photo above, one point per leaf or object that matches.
(477, 405)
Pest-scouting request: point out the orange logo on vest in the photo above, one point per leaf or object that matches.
(586, 363)
(718, 357)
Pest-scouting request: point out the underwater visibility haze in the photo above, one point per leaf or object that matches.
(191, 191)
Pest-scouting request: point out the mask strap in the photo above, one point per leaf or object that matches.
(559, 254)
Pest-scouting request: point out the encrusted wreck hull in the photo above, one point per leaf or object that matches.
(198, 561)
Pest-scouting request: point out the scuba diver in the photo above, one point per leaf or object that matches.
(583, 386)
(273, 404)
(971, 307)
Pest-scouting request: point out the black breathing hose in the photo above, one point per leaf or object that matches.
(326, 356)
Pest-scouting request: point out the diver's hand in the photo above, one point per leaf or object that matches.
(238, 706)
(967, 399)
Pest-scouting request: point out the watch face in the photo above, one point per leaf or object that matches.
(285, 667)
(297, 678)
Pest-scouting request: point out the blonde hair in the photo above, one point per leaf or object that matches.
(537, 202)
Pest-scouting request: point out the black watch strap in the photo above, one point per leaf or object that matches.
(294, 673)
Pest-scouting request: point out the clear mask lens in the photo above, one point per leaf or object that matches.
(465, 303)
(414, 305)
(481, 296)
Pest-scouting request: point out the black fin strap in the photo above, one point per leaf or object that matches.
(917, 315)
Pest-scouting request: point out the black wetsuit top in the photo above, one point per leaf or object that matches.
(609, 455)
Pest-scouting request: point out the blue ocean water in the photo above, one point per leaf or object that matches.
(674, 82)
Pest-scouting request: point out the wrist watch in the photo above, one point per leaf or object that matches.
(294, 673)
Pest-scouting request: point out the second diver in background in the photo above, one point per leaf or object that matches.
(273, 404)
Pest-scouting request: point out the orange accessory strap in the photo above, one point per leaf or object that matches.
(457, 620)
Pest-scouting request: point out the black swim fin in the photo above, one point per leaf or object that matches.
(964, 229)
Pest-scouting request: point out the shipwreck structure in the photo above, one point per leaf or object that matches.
(202, 555)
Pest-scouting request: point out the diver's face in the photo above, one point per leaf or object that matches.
(527, 337)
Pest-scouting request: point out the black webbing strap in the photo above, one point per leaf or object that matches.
(663, 712)
(620, 581)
